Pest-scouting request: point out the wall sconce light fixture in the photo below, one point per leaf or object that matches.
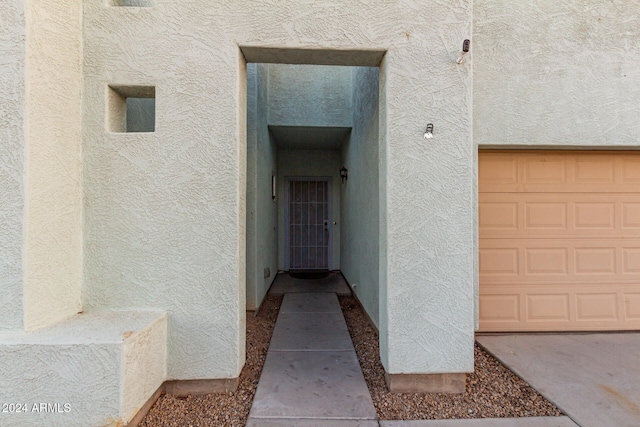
(344, 174)
(428, 134)
(465, 49)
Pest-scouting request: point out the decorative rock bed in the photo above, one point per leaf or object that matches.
(492, 390)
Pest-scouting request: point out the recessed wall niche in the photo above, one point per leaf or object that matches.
(130, 3)
(131, 108)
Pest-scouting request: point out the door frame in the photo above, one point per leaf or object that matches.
(287, 186)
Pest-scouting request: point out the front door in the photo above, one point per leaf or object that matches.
(308, 227)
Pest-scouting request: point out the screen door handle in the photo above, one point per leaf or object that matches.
(326, 224)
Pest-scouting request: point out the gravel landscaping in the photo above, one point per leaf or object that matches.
(229, 409)
(492, 390)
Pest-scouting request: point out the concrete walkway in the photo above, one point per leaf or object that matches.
(593, 378)
(311, 376)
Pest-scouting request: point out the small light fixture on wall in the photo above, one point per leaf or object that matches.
(428, 134)
(344, 174)
(465, 49)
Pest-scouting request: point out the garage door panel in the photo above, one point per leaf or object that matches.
(631, 216)
(590, 261)
(502, 215)
(581, 260)
(544, 169)
(546, 261)
(500, 262)
(548, 216)
(594, 215)
(631, 260)
(500, 308)
(593, 169)
(598, 306)
(632, 306)
(559, 241)
(500, 171)
(557, 307)
(630, 170)
(547, 307)
(559, 172)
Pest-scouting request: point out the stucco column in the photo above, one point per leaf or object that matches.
(53, 187)
(40, 217)
(427, 243)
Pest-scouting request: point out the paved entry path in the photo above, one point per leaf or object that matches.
(311, 376)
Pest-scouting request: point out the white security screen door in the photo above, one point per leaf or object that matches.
(308, 211)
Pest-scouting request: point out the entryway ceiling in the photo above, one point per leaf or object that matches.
(309, 137)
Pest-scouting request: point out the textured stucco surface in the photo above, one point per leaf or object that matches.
(144, 364)
(12, 140)
(360, 194)
(307, 163)
(53, 234)
(426, 196)
(165, 211)
(81, 376)
(104, 365)
(559, 74)
(309, 95)
(262, 210)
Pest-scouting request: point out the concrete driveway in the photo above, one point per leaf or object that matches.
(593, 378)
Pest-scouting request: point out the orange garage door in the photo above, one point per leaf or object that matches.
(559, 241)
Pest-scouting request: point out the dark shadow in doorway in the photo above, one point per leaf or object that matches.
(309, 275)
(333, 281)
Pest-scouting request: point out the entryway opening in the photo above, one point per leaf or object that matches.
(313, 169)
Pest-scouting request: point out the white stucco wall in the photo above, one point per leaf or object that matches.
(560, 74)
(165, 211)
(12, 140)
(103, 366)
(144, 361)
(360, 194)
(262, 210)
(307, 163)
(426, 294)
(53, 235)
(309, 95)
